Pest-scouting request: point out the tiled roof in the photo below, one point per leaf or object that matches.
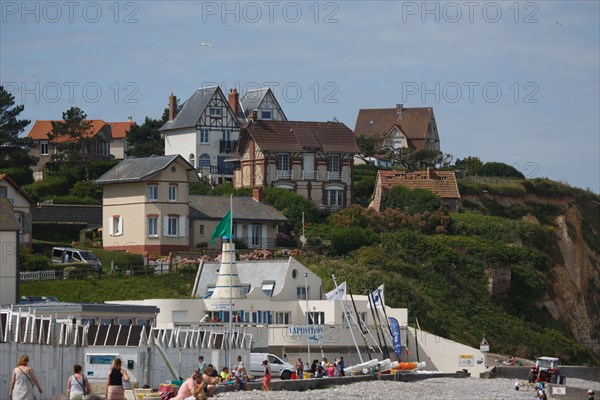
(252, 99)
(7, 178)
(8, 219)
(413, 122)
(138, 169)
(442, 183)
(192, 109)
(67, 213)
(330, 137)
(244, 208)
(119, 129)
(41, 128)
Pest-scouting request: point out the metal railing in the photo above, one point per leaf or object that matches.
(334, 176)
(284, 174)
(309, 175)
(37, 275)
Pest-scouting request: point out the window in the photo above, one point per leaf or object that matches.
(172, 192)
(201, 230)
(115, 225)
(142, 321)
(203, 135)
(172, 226)
(255, 235)
(88, 321)
(333, 163)
(192, 160)
(266, 114)
(283, 161)
(20, 220)
(362, 315)
(152, 192)
(216, 112)
(227, 134)
(316, 318)
(125, 321)
(301, 293)
(282, 318)
(209, 292)
(335, 197)
(44, 148)
(204, 160)
(3, 192)
(153, 226)
(106, 321)
(268, 288)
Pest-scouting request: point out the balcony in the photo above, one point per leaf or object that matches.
(227, 146)
(309, 175)
(334, 176)
(226, 169)
(284, 174)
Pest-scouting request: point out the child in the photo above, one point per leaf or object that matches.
(331, 370)
(240, 379)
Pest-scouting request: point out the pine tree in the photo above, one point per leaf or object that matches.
(14, 150)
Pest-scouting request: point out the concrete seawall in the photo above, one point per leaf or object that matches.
(569, 371)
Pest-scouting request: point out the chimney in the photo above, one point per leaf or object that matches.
(258, 194)
(234, 98)
(172, 106)
(253, 117)
(430, 173)
(130, 118)
(399, 110)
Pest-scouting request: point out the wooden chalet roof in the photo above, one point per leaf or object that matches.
(41, 128)
(330, 137)
(413, 122)
(441, 183)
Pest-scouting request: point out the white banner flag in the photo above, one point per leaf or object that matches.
(377, 298)
(339, 293)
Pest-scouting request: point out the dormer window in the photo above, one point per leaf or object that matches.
(216, 112)
(266, 114)
(268, 287)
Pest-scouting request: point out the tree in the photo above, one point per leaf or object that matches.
(14, 150)
(73, 140)
(146, 140)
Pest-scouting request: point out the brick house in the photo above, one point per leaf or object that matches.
(313, 159)
(441, 183)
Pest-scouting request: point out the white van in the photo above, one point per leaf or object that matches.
(65, 255)
(278, 366)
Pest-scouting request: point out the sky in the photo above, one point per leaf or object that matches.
(515, 82)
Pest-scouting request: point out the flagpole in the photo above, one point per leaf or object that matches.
(347, 320)
(380, 291)
(230, 329)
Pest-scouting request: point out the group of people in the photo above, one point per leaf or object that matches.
(323, 368)
(24, 382)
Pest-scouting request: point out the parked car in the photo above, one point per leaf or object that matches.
(278, 366)
(68, 255)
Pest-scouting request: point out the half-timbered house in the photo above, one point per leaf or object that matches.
(263, 102)
(313, 159)
(204, 132)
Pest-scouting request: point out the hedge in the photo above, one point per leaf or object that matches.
(57, 232)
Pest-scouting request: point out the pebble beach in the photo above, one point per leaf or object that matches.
(434, 388)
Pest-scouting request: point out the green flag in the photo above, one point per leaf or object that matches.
(222, 229)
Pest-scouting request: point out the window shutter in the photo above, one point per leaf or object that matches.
(239, 231)
(165, 226)
(249, 241)
(120, 226)
(182, 226)
(26, 218)
(110, 227)
(263, 235)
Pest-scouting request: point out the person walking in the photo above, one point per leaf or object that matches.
(266, 381)
(77, 385)
(114, 383)
(341, 366)
(23, 381)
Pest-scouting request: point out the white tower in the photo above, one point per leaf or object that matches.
(228, 283)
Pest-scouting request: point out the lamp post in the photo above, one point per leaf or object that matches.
(307, 311)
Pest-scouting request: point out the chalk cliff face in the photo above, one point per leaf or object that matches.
(574, 281)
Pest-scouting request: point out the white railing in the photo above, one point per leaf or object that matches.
(334, 176)
(309, 175)
(37, 275)
(284, 174)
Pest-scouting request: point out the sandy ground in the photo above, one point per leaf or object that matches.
(434, 388)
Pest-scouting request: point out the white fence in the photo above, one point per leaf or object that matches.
(38, 275)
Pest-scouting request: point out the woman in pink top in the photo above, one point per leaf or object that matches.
(331, 370)
(193, 387)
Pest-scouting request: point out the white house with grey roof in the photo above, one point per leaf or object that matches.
(206, 129)
(256, 223)
(145, 205)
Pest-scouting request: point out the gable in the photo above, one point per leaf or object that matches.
(442, 183)
(227, 120)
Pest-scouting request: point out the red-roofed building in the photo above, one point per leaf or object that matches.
(103, 148)
(313, 159)
(441, 183)
(399, 127)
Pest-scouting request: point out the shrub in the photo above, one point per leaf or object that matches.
(21, 176)
(292, 206)
(57, 232)
(344, 240)
(497, 169)
(50, 186)
(412, 201)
